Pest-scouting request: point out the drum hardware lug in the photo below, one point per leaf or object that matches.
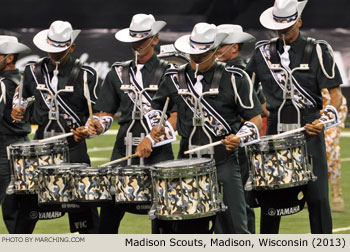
(152, 212)
(11, 187)
(248, 185)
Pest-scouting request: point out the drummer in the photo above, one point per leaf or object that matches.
(10, 132)
(285, 18)
(56, 72)
(222, 117)
(230, 53)
(144, 69)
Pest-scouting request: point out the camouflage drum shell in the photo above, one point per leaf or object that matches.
(185, 189)
(279, 163)
(25, 157)
(92, 184)
(133, 184)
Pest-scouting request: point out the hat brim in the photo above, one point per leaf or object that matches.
(238, 37)
(266, 18)
(183, 44)
(13, 48)
(124, 34)
(40, 40)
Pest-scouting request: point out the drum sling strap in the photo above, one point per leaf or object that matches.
(72, 77)
(212, 115)
(310, 43)
(216, 78)
(157, 76)
(39, 74)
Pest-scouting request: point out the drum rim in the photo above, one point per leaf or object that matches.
(62, 165)
(207, 160)
(38, 143)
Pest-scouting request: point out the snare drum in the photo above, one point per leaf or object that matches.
(55, 183)
(185, 189)
(277, 163)
(133, 184)
(25, 157)
(91, 184)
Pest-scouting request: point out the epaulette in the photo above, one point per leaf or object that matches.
(235, 70)
(121, 63)
(89, 69)
(117, 63)
(170, 71)
(322, 42)
(261, 43)
(29, 63)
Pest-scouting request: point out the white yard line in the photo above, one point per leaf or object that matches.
(341, 229)
(345, 159)
(345, 134)
(97, 149)
(96, 159)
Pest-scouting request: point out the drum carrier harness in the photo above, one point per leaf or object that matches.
(198, 116)
(286, 124)
(137, 115)
(54, 108)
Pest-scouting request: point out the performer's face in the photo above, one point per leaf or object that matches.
(144, 47)
(226, 52)
(204, 60)
(6, 62)
(61, 57)
(291, 33)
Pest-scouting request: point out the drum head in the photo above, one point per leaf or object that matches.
(183, 163)
(132, 169)
(56, 168)
(91, 170)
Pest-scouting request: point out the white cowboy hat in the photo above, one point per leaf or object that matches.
(203, 38)
(235, 34)
(58, 38)
(283, 14)
(142, 26)
(10, 45)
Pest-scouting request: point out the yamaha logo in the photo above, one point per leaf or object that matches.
(271, 212)
(33, 215)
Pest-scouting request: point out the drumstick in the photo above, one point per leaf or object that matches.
(119, 160)
(299, 129)
(56, 137)
(20, 92)
(87, 94)
(212, 144)
(160, 125)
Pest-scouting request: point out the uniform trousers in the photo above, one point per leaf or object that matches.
(234, 219)
(224, 223)
(317, 192)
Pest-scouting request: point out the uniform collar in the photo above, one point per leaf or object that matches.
(63, 70)
(207, 76)
(150, 64)
(9, 73)
(296, 46)
(235, 61)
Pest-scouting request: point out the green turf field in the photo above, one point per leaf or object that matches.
(100, 149)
